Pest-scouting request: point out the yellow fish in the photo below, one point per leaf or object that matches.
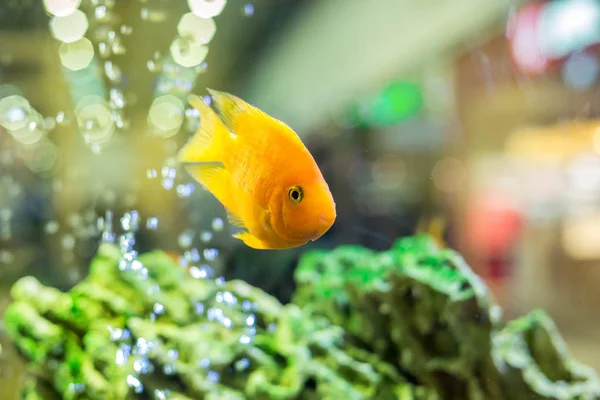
(259, 169)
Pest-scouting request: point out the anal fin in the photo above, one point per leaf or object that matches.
(252, 241)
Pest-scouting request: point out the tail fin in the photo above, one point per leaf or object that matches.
(206, 145)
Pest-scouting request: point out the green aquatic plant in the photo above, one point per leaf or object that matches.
(412, 322)
(153, 330)
(421, 308)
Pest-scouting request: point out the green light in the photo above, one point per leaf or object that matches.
(397, 102)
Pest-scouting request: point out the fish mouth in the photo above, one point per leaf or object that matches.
(315, 236)
(325, 223)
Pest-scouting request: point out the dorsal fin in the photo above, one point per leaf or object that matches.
(241, 117)
(233, 110)
(204, 146)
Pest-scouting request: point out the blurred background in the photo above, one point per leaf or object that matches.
(475, 121)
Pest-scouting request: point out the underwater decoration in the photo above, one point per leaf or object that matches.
(412, 322)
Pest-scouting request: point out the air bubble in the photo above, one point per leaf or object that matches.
(185, 190)
(200, 30)
(143, 346)
(242, 364)
(169, 369)
(117, 333)
(192, 255)
(76, 55)
(151, 65)
(68, 242)
(185, 239)
(198, 273)
(120, 358)
(206, 236)
(76, 388)
(74, 220)
(6, 257)
(69, 28)
(229, 299)
(173, 354)
(112, 72)
(60, 117)
(51, 227)
(126, 29)
(14, 112)
(103, 49)
(61, 8)
(135, 383)
(217, 224)
(245, 339)
(142, 366)
(152, 174)
(207, 8)
(158, 308)
(210, 254)
(162, 394)
(152, 223)
(213, 376)
(100, 12)
(249, 10)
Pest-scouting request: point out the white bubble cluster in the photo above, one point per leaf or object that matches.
(166, 115)
(69, 28)
(207, 8)
(95, 119)
(61, 8)
(20, 118)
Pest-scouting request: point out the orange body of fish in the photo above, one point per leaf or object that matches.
(261, 172)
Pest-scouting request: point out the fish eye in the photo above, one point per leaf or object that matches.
(295, 193)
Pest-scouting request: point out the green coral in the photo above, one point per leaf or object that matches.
(154, 329)
(422, 309)
(412, 322)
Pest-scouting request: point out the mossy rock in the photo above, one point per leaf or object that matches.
(413, 322)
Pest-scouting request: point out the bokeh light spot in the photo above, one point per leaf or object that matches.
(200, 30)
(187, 53)
(580, 70)
(32, 131)
(43, 157)
(207, 8)
(248, 10)
(76, 55)
(61, 8)
(389, 171)
(69, 28)
(14, 112)
(448, 174)
(95, 120)
(166, 114)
